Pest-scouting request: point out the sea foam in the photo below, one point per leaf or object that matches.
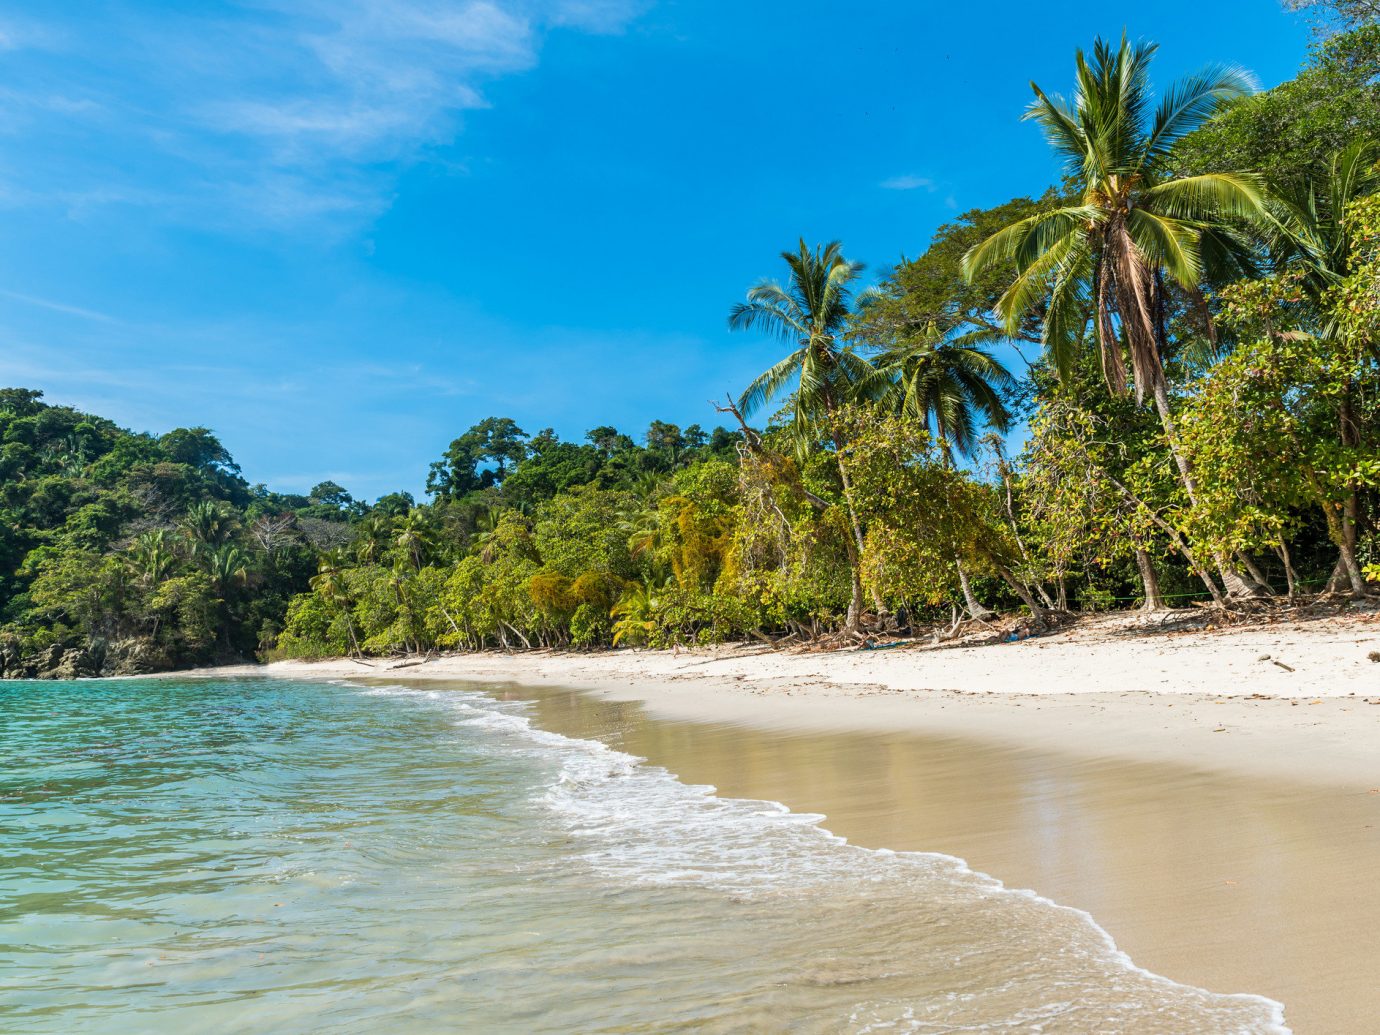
(634, 823)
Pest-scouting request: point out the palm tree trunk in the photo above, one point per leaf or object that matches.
(1344, 532)
(1255, 573)
(1037, 613)
(1138, 301)
(1151, 581)
(970, 600)
(1351, 508)
(1010, 504)
(1290, 579)
(1175, 537)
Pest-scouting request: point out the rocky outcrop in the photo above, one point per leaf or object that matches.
(136, 658)
(132, 657)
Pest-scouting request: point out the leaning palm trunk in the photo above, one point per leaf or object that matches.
(1037, 613)
(970, 600)
(1235, 585)
(1138, 303)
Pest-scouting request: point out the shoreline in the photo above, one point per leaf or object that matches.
(1224, 841)
(1296, 701)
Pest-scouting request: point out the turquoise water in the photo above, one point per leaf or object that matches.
(257, 855)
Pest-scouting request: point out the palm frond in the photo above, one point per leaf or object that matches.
(1167, 242)
(1192, 101)
(1033, 283)
(768, 384)
(1025, 240)
(771, 317)
(1211, 197)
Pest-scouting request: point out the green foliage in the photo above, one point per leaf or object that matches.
(1291, 133)
(136, 550)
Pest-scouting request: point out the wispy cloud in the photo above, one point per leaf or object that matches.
(265, 114)
(58, 307)
(908, 182)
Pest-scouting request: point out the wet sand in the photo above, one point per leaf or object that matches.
(1231, 883)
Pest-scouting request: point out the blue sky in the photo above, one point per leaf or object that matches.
(338, 232)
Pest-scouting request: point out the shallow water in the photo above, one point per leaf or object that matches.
(272, 856)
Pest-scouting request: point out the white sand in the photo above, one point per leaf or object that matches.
(1209, 699)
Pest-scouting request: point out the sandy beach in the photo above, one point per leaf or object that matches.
(1294, 700)
(1211, 797)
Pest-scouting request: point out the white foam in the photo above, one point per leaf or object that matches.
(639, 824)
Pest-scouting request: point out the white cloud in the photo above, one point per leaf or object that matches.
(277, 113)
(908, 182)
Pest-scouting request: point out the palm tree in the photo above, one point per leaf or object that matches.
(153, 557)
(811, 314)
(415, 537)
(1135, 222)
(1310, 235)
(372, 536)
(1135, 225)
(228, 567)
(955, 389)
(207, 524)
(1311, 238)
(330, 583)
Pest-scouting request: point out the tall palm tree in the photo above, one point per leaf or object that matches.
(1135, 225)
(414, 536)
(372, 536)
(810, 313)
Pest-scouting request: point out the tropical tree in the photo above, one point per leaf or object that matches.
(331, 583)
(1312, 236)
(1135, 226)
(153, 557)
(1315, 241)
(228, 567)
(953, 389)
(414, 538)
(208, 524)
(811, 313)
(1134, 222)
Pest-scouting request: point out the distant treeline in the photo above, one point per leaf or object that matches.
(1196, 309)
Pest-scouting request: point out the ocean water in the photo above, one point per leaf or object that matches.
(255, 855)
